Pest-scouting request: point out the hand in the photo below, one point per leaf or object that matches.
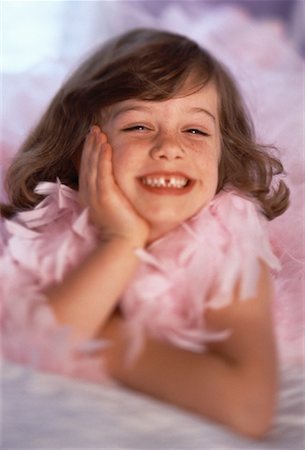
(109, 209)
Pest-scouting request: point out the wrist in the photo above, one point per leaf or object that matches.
(124, 240)
(121, 249)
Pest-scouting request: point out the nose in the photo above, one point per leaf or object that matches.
(167, 147)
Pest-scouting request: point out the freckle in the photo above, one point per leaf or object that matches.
(196, 149)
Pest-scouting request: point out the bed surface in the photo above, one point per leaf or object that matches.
(46, 411)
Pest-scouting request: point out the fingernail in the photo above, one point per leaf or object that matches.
(104, 137)
(94, 129)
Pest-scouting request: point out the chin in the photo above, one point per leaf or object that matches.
(166, 223)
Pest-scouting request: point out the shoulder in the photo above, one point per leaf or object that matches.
(233, 202)
(241, 217)
(252, 340)
(59, 209)
(242, 311)
(53, 236)
(246, 245)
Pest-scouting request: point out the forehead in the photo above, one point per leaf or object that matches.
(204, 100)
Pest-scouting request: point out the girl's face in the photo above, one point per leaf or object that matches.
(166, 155)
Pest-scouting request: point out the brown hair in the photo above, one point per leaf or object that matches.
(148, 65)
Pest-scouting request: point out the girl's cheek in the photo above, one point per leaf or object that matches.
(117, 160)
(207, 158)
(123, 159)
(203, 147)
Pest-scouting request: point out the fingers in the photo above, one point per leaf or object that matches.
(86, 162)
(104, 179)
(96, 166)
(88, 166)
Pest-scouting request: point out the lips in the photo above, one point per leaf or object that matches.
(167, 182)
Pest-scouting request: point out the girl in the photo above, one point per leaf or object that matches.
(141, 244)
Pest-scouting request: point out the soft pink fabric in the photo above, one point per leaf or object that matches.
(167, 296)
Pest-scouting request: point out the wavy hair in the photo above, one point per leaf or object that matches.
(149, 65)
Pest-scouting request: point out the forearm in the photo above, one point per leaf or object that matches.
(88, 295)
(206, 384)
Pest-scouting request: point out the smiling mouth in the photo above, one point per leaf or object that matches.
(167, 184)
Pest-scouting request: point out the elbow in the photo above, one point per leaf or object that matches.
(255, 428)
(255, 416)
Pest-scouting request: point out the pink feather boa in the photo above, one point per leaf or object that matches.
(167, 297)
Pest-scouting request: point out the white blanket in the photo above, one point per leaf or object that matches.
(44, 411)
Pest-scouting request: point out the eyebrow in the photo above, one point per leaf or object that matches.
(142, 108)
(203, 110)
(125, 109)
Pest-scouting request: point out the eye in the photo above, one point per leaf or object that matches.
(136, 128)
(195, 131)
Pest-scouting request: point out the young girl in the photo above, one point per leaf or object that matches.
(134, 240)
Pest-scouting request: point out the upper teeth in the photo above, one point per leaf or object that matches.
(170, 182)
